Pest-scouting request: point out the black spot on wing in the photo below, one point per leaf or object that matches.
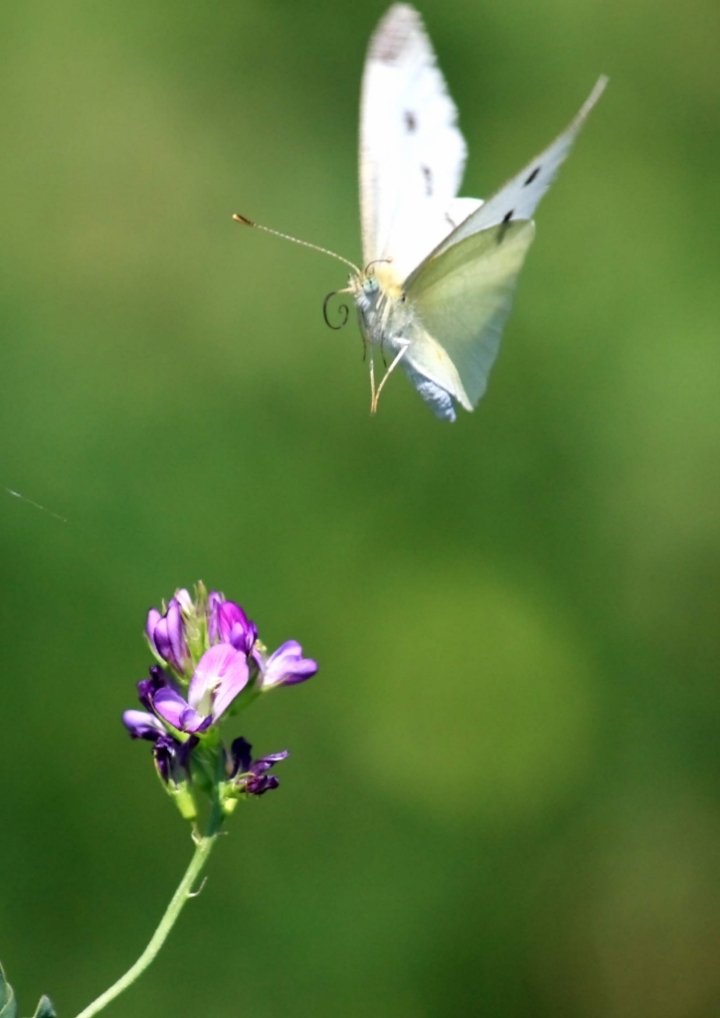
(532, 176)
(427, 174)
(504, 225)
(411, 124)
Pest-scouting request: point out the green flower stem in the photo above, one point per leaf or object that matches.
(203, 847)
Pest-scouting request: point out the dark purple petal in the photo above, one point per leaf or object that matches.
(241, 753)
(251, 776)
(287, 666)
(172, 758)
(221, 673)
(264, 763)
(142, 726)
(148, 687)
(165, 753)
(258, 786)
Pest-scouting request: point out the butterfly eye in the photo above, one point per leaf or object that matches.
(370, 285)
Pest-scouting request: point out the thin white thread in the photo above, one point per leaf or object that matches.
(42, 508)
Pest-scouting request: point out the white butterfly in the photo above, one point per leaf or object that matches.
(440, 271)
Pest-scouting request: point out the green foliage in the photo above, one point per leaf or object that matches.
(45, 1008)
(8, 1003)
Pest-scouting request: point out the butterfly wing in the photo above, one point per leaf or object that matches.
(463, 290)
(412, 154)
(519, 197)
(461, 299)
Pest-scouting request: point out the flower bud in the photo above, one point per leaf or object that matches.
(285, 667)
(166, 635)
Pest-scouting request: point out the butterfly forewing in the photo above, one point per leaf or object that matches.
(519, 197)
(411, 151)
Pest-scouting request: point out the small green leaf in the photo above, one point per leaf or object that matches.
(8, 1004)
(45, 1008)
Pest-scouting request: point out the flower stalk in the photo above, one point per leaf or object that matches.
(203, 847)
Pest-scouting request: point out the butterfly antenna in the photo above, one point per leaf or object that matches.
(303, 243)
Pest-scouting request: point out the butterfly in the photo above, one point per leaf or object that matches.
(439, 271)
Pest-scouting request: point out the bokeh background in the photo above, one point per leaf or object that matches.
(503, 797)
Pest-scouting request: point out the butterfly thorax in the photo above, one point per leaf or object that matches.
(383, 309)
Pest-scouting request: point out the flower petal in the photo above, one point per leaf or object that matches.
(148, 687)
(166, 634)
(177, 712)
(251, 775)
(213, 603)
(165, 752)
(286, 666)
(184, 600)
(262, 784)
(176, 635)
(235, 627)
(221, 673)
(141, 725)
(241, 753)
(153, 617)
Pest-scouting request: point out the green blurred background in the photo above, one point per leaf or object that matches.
(504, 791)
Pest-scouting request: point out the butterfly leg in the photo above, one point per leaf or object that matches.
(375, 393)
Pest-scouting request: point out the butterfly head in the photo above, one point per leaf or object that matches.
(369, 285)
(377, 283)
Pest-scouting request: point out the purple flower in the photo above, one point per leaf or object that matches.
(251, 775)
(221, 673)
(147, 688)
(228, 623)
(142, 725)
(208, 655)
(286, 667)
(172, 758)
(166, 633)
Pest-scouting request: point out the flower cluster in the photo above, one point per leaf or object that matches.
(210, 664)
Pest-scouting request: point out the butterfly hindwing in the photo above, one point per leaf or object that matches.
(463, 297)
